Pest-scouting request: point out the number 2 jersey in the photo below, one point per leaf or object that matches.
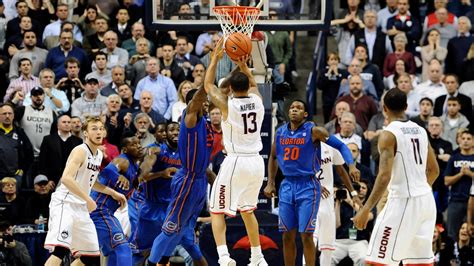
(241, 130)
(85, 176)
(409, 166)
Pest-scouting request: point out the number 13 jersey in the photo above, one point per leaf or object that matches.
(241, 130)
(409, 165)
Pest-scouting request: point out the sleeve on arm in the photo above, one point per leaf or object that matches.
(340, 146)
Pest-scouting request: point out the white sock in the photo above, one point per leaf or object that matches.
(256, 253)
(222, 251)
(325, 257)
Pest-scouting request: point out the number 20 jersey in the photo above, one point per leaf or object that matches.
(295, 150)
(241, 130)
(409, 165)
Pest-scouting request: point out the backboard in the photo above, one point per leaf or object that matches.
(275, 14)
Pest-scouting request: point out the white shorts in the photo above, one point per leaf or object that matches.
(403, 232)
(237, 185)
(70, 226)
(325, 232)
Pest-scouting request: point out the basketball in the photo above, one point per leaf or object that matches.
(238, 45)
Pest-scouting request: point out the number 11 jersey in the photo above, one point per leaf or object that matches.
(409, 165)
(241, 130)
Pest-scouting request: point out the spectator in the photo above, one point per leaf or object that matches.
(224, 66)
(458, 48)
(334, 126)
(442, 247)
(122, 27)
(404, 83)
(76, 127)
(362, 106)
(384, 14)
(102, 74)
(329, 83)
(128, 103)
(433, 18)
(86, 22)
(71, 84)
(118, 78)
(110, 151)
(137, 63)
(116, 56)
(458, 175)
(15, 252)
(368, 87)
(138, 32)
(281, 46)
(204, 43)
(38, 203)
(443, 150)
(13, 212)
(17, 150)
(19, 87)
(400, 68)
(370, 71)
(180, 105)
(13, 24)
(365, 172)
(446, 30)
(142, 123)
(31, 51)
(55, 99)
(55, 149)
(146, 104)
(403, 22)
(3, 24)
(453, 120)
(54, 28)
(198, 75)
(378, 44)
(52, 41)
(113, 125)
(400, 41)
(136, 12)
(441, 103)
(37, 121)
(91, 103)
(161, 87)
(215, 115)
(184, 59)
(57, 56)
(169, 67)
(464, 247)
(347, 133)
(467, 72)
(432, 50)
(433, 87)
(426, 110)
(15, 42)
(95, 42)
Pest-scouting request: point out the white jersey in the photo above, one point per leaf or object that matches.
(409, 166)
(241, 130)
(329, 157)
(85, 176)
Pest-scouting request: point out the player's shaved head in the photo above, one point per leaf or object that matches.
(395, 100)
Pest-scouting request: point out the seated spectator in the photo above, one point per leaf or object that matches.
(138, 32)
(404, 22)
(404, 83)
(224, 66)
(52, 41)
(368, 87)
(54, 28)
(467, 69)
(19, 87)
(38, 203)
(142, 123)
(370, 72)
(15, 252)
(400, 68)
(95, 42)
(128, 103)
(31, 51)
(334, 126)
(458, 48)
(54, 98)
(118, 78)
(446, 30)
(146, 104)
(198, 75)
(113, 124)
(86, 22)
(102, 74)
(169, 67)
(441, 103)
(426, 110)
(453, 120)
(464, 247)
(180, 105)
(434, 86)
(56, 147)
(184, 58)
(137, 63)
(116, 56)
(443, 247)
(432, 50)
(347, 133)
(329, 83)
(400, 41)
(14, 211)
(91, 103)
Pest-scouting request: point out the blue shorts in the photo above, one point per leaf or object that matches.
(109, 230)
(150, 220)
(188, 194)
(134, 203)
(299, 203)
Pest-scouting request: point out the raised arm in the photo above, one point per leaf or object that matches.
(194, 107)
(216, 95)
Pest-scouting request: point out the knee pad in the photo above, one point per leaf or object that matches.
(60, 252)
(90, 260)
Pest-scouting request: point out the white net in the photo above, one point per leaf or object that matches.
(237, 19)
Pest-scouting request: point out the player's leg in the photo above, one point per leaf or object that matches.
(59, 237)
(289, 247)
(325, 232)
(57, 256)
(309, 249)
(288, 221)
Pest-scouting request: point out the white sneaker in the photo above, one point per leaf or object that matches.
(227, 261)
(259, 262)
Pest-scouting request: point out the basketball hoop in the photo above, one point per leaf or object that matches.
(237, 19)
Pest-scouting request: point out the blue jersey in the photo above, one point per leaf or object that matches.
(158, 190)
(109, 179)
(295, 150)
(195, 145)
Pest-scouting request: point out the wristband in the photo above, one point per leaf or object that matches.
(354, 193)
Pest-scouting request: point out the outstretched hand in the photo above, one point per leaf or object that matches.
(242, 63)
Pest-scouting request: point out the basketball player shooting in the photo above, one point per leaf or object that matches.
(241, 175)
(403, 230)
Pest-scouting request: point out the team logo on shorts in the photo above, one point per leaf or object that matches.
(64, 234)
(313, 222)
(118, 237)
(170, 226)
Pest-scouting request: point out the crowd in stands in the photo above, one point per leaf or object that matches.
(61, 63)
